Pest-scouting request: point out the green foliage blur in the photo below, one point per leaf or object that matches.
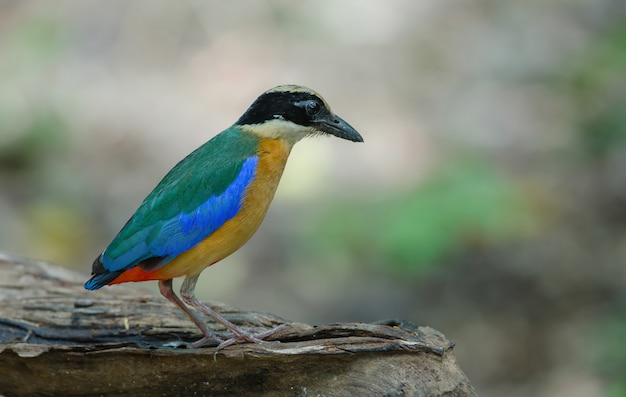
(611, 360)
(416, 230)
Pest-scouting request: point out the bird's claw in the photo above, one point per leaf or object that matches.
(201, 342)
(257, 338)
(237, 337)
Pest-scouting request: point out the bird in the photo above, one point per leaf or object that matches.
(212, 202)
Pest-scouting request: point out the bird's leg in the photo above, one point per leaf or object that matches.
(187, 293)
(165, 286)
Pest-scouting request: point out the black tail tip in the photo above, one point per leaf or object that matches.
(98, 281)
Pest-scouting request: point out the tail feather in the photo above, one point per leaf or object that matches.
(100, 276)
(100, 280)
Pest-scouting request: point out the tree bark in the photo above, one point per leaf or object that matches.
(58, 339)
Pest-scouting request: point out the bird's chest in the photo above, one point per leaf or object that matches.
(273, 156)
(259, 194)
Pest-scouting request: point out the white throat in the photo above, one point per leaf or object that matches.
(280, 128)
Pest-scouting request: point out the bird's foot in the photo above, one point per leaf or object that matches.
(237, 337)
(256, 338)
(203, 341)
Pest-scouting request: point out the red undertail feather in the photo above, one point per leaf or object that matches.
(138, 274)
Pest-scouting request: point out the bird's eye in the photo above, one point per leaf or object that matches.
(312, 108)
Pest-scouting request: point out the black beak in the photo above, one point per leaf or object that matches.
(335, 125)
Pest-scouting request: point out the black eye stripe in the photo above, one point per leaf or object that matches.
(300, 108)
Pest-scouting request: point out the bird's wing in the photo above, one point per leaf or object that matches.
(191, 202)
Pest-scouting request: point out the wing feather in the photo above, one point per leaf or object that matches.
(193, 200)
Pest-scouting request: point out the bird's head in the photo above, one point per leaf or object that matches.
(292, 112)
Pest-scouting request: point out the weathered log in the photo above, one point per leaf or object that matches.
(58, 339)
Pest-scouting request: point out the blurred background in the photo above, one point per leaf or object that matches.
(488, 200)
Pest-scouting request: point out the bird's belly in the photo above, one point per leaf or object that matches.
(223, 242)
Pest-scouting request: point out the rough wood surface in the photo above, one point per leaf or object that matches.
(58, 339)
